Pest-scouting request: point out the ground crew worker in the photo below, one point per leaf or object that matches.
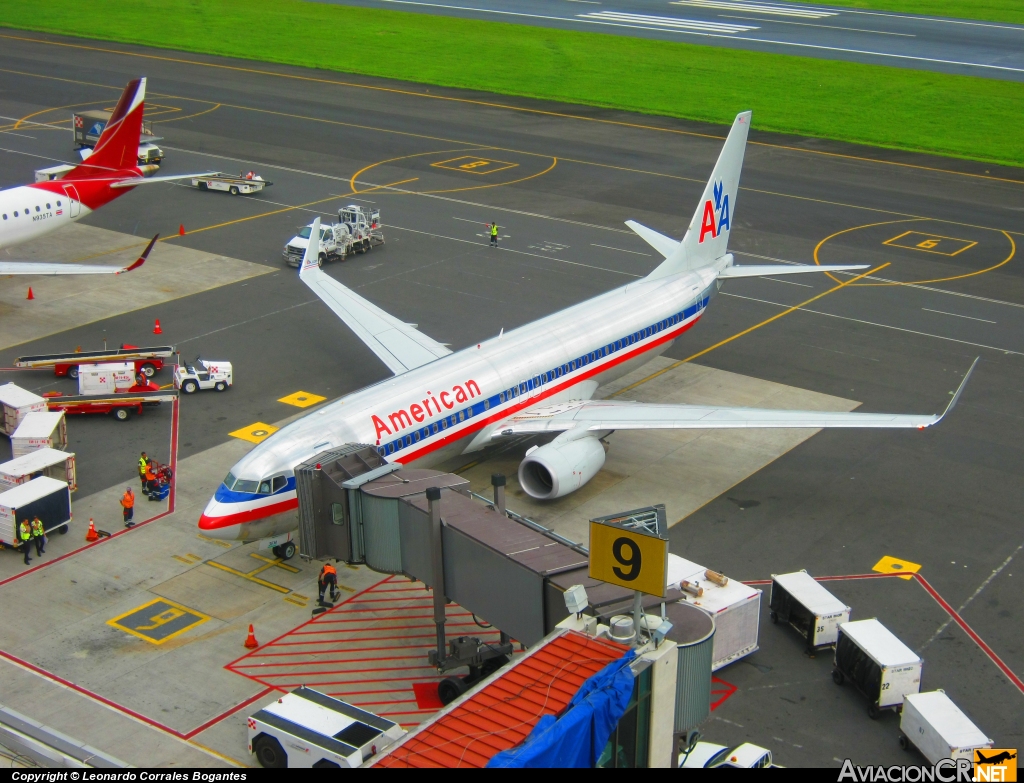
(149, 479)
(128, 506)
(25, 534)
(38, 535)
(143, 462)
(494, 234)
(328, 576)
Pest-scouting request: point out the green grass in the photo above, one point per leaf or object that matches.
(986, 10)
(891, 107)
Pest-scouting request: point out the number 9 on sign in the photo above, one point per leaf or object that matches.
(630, 558)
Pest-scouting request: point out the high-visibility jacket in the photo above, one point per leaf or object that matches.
(150, 476)
(25, 531)
(328, 569)
(37, 528)
(494, 229)
(143, 463)
(128, 500)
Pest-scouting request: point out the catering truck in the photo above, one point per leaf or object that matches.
(88, 125)
(358, 230)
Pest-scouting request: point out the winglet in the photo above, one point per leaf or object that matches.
(959, 391)
(311, 260)
(141, 259)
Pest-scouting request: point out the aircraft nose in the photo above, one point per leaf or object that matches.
(216, 520)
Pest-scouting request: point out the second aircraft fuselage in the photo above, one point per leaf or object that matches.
(453, 404)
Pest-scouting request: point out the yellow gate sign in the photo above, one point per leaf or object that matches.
(630, 557)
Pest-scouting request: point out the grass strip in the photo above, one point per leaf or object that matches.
(1011, 11)
(898, 108)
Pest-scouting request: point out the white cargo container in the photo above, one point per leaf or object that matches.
(56, 464)
(106, 378)
(17, 403)
(306, 729)
(801, 601)
(47, 498)
(877, 663)
(735, 607)
(933, 724)
(40, 431)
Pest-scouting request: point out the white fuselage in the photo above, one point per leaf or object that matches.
(454, 404)
(28, 212)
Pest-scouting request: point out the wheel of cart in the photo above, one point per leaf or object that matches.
(269, 753)
(121, 414)
(234, 190)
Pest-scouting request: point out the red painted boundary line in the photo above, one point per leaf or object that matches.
(170, 510)
(982, 645)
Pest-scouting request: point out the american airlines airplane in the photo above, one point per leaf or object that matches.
(111, 169)
(537, 379)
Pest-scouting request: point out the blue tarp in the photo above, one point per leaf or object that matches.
(577, 738)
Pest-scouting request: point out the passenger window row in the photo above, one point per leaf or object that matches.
(27, 210)
(538, 380)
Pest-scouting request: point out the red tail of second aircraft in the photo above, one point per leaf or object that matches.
(116, 152)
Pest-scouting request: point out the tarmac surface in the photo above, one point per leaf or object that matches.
(976, 48)
(560, 180)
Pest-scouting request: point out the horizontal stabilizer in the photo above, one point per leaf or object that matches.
(762, 270)
(663, 244)
(131, 183)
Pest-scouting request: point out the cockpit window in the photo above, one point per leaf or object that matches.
(229, 481)
(265, 487)
(243, 485)
(280, 482)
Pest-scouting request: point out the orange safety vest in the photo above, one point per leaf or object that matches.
(328, 569)
(128, 501)
(150, 476)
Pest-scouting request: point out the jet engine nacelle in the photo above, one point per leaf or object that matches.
(554, 470)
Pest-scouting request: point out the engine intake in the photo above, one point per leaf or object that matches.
(557, 469)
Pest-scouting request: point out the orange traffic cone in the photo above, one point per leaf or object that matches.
(181, 230)
(30, 294)
(250, 640)
(91, 534)
(156, 328)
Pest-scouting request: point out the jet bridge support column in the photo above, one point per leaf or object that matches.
(498, 482)
(437, 571)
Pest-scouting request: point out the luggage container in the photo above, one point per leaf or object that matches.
(933, 724)
(43, 462)
(734, 606)
(878, 664)
(106, 378)
(37, 431)
(17, 403)
(812, 610)
(47, 498)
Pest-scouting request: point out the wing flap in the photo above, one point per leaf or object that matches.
(399, 345)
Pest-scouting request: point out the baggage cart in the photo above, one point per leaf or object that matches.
(228, 183)
(47, 430)
(878, 665)
(47, 498)
(933, 724)
(106, 378)
(734, 606)
(801, 601)
(306, 729)
(17, 403)
(56, 464)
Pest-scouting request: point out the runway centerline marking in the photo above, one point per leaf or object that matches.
(748, 330)
(468, 101)
(825, 26)
(957, 315)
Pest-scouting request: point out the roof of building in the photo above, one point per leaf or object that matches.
(503, 713)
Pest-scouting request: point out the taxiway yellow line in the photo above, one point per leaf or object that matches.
(748, 330)
(250, 577)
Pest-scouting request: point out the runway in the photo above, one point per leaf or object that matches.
(989, 49)
(560, 180)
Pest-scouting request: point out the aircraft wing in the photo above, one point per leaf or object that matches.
(606, 415)
(44, 268)
(401, 346)
(131, 183)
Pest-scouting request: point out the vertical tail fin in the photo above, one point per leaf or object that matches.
(707, 237)
(118, 145)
